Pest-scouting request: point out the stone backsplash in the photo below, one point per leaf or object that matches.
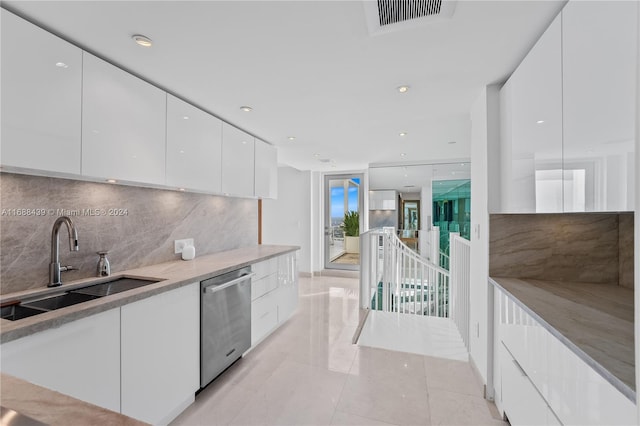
(136, 225)
(580, 247)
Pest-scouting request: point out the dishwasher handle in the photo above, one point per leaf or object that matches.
(217, 287)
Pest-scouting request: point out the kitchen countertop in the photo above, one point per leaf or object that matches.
(594, 320)
(173, 274)
(53, 408)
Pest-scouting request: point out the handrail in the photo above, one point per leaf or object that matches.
(394, 278)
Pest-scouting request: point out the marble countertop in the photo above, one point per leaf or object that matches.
(594, 320)
(53, 408)
(172, 274)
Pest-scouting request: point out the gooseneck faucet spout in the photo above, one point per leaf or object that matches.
(54, 267)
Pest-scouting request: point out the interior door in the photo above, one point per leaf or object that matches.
(343, 196)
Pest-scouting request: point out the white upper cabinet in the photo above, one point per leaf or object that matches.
(531, 116)
(41, 98)
(194, 147)
(123, 125)
(237, 162)
(599, 77)
(266, 170)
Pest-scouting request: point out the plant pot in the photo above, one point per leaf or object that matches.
(352, 244)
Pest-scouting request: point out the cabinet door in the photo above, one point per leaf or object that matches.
(533, 105)
(237, 162)
(41, 98)
(287, 286)
(599, 77)
(522, 403)
(160, 354)
(123, 125)
(80, 359)
(266, 170)
(194, 147)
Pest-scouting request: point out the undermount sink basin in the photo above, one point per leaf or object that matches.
(112, 287)
(16, 312)
(83, 294)
(61, 301)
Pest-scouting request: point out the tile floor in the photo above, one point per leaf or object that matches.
(309, 373)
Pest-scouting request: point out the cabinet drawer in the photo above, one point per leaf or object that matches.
(265, 268)
(264, 316)
(522, 403)
(263, 286)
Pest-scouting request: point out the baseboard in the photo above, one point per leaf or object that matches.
(306, 274)
(337, 273)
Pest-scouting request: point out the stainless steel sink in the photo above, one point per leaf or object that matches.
(16, 312)
(112, 287)
(83, 294)
(61, 301)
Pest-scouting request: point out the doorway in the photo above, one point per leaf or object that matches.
(342, 221)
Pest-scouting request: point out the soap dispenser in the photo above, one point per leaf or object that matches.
(104, 268)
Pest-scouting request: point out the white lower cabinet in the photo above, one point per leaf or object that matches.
(522, 402)
(80, 359)
(160, 354)
(288, 286)
(264, 316)
(274, 295)
(540, 381)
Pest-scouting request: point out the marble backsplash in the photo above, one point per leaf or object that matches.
(579, 247)
(142, 231)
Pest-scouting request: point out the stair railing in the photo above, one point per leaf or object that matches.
(394, 278)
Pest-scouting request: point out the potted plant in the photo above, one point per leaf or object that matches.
(351, 228)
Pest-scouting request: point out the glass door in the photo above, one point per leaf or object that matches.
(343, 204)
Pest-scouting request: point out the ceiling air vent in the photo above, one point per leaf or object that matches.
(394, 11)
(392, 15)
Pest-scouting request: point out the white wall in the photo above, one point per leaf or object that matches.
(287, 220)
(484, 138)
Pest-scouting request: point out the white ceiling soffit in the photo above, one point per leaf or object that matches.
(385, 16)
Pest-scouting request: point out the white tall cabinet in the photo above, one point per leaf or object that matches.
(41, 98)
(194, 147)
(238, 161)
(568, 114)
(599, 76)
(123, 125)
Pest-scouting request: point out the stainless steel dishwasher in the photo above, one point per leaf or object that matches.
(225, 322)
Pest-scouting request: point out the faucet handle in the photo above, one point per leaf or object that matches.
(68, 268)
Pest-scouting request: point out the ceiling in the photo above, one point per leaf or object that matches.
(312, 70)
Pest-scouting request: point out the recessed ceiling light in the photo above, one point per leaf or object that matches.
(451, 142)
(244, 142)
(246, 108)
(143, 41)
(61, 65)
(316, 155)
(292, 138)
(111, 181)
(403, 154)
(186, 117)
(539, 121)
(403, 89)
(403, 133)
(181, 151)
(181, 189)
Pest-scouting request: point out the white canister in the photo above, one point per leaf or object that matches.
(188, 253)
